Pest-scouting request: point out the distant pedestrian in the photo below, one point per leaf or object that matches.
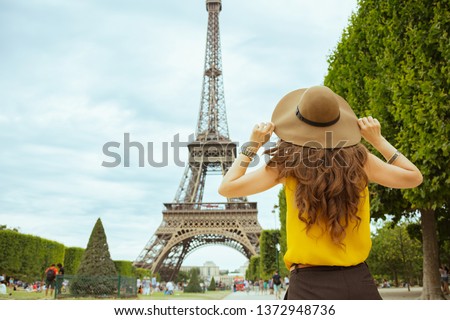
(270, 286)
(50, 279)
(261, 286)
(256, 286)
(246, 286)
(2, 288)
(146, 285)
(154, 284)
(443, 270)
(60, 278)
(276, 279)
(138, 283)
(169, 288)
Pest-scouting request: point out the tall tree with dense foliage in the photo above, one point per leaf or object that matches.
(443, 219)
(182, 276)
(269, 256)
(396, 254)
(253, 271)
(282, 210)
(393, 62)
(282, 216)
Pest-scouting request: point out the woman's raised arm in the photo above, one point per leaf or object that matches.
(398, 172)
(236, 183)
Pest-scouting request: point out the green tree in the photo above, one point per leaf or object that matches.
(253, 271)
(283, 239)
(443, 233)
(443, 225)
(194, 282)
(97, 273)
(269, 256)
(396, 254)
(182, 276)
(212, 285)
(392, 62)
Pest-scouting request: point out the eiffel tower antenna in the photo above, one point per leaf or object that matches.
(188, 222)
(212, 120)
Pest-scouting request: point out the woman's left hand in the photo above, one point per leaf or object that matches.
(371, 130)
(261, 134)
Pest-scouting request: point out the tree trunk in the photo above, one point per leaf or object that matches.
(431, 276)
(396, 278)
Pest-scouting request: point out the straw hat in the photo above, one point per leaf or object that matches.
(316, 117)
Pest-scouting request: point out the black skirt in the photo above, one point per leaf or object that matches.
(332, 283)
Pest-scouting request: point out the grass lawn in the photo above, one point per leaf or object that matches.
(210, 295)
(24, 295)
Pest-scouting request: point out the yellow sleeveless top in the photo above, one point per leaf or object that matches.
(316, 247)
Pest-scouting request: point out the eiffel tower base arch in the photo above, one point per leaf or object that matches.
(187, 227)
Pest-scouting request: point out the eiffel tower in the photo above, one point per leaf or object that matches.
(188, 223)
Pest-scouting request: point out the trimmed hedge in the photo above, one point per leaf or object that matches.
(72, 259)
(26, 257)
(125, 268)
(140, 273)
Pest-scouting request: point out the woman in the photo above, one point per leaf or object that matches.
(325, 170)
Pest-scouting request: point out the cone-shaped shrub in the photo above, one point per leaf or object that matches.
(97, 274)
(194, 283)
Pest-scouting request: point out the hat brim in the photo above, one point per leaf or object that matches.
(344, 133)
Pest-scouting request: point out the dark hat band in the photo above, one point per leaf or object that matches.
(314, 123)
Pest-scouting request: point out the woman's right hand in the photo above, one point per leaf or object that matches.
(261, 134)
(370, 130)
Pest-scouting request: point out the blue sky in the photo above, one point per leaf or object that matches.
(76, 74)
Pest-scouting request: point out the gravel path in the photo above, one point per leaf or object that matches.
(386, 294)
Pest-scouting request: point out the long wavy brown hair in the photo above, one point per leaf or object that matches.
(329, 183)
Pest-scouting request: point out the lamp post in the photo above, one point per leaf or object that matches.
(275, 216)
(277, 246)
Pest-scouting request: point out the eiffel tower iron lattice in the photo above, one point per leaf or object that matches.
(188, 223)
